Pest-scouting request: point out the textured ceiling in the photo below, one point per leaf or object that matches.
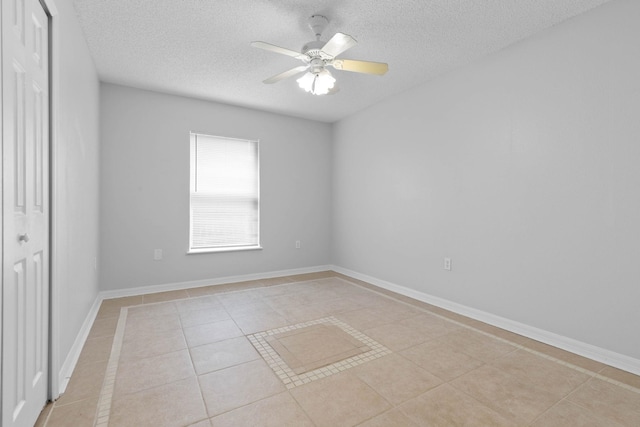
(200, 48)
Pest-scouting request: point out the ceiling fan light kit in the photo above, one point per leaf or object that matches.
(317, 56)
(317, 83)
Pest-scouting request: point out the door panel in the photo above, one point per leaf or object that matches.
(25, 211)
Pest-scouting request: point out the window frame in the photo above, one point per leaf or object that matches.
(192, 182)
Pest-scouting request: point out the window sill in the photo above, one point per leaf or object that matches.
(228, 249)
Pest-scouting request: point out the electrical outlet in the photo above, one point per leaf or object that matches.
(297, 244)
(447, 264)
(157, 254)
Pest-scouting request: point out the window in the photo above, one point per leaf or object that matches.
(225, 194)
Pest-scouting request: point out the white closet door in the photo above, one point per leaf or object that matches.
(25, 211)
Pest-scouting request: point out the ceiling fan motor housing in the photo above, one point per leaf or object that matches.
(312, 49)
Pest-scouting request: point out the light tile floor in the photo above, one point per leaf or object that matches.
(186, 358)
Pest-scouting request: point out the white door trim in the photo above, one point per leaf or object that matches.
(54, 95)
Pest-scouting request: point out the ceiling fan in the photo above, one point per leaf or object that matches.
(317, 56)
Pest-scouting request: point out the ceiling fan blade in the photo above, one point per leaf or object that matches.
(338, 44)
(277, 49)
(286, 74)
(366, 67)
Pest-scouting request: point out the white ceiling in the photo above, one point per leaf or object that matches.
(200, 48)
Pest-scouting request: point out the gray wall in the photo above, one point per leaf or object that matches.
(523, 168)
(75, 176)
(144, 195)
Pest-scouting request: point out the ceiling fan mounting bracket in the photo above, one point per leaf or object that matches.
(318, 23)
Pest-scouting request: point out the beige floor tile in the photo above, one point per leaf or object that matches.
(164, 296)
(242, 286)
(441, 360)
(501, 333)
(76, 414)
(199, 303)
(280, 410)
(111, 307)
(315, 346)
(202, 291)
(314, 296)
(276, 290)
(396, 336)
(397, 311)
(311, 276)
(371, 299)
(339, 400)
(239, 299)
(505, 394)
(174, 404)
(395, 378)
(211, 332)
(622, 376)
(203, 423)
(364, 318)
(544, 373)
(477, 345)
(141, 326)
(44, 415)
(260, 322)
(429, 325)
(279, 301)
(141, 374)
(339, 305)
(86, 382)
(153, 344)
(155, 309)
(566, 356)
(103, 327)
(567, 414)
(200, 317)
(276, 281)
(222, 354)
(609, 401)
(96, 350)
(237, 386)
(254, 308)
(324, 284)
(301, 313)
(446, 406)
(391, 418)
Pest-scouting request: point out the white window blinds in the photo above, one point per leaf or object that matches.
(225, 193)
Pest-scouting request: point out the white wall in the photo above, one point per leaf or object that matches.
(144, 194)
(524, 168)
(75, 178)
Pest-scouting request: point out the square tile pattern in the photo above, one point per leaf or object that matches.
(315, 346)
(324, 350)
(308, 351)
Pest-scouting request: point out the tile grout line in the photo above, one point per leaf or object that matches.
(106, 394)
(193, 365)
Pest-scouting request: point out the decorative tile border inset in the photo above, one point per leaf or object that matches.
(106, 393)
(290, 378)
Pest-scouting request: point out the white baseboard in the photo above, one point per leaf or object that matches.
(69, 364)
(151, 289)
(602, 355)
